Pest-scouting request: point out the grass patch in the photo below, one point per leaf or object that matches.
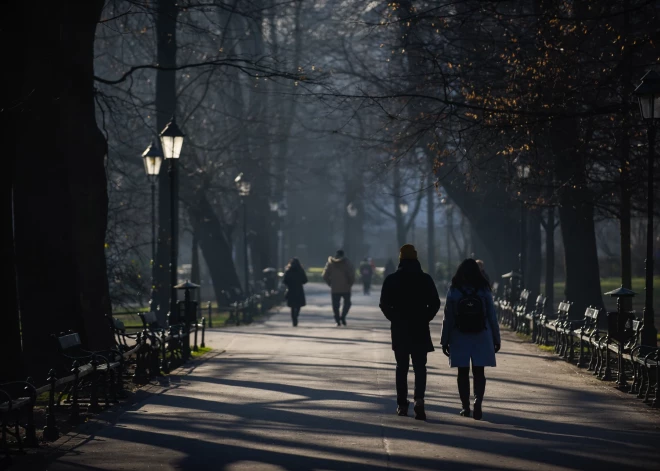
(609, 284)
(547, 348)
(523, 336)
(201, 351)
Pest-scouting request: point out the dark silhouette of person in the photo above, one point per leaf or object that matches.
(463, 345)
(294, 279)
(366, 274)
(339, 274)
(409, 299)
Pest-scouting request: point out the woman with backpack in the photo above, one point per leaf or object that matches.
(470, 332)
(294, 279)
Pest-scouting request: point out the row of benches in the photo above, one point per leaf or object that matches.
(607, 344)
(95, 379)
(89, 377)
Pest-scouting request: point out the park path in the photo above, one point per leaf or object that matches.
(320, 397)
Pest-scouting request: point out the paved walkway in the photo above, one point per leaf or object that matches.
(320, 397)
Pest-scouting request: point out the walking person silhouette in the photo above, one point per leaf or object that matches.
(339, 275)
(294, 279)
(410, 301)
(470, 332)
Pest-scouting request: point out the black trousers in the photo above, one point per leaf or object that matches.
(402, 367)
(366, 284)
(336, 302)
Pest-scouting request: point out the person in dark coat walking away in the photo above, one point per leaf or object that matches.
(410, 301)
(294, 279)
(366, 273)
(339, 274)
(470, 332)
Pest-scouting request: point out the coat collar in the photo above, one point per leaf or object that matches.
(410, 265)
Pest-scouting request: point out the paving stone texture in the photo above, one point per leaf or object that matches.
(319, 397)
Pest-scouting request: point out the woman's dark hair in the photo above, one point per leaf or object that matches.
(469, 274)
(294, 264)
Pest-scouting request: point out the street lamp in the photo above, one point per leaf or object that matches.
(282, 211)
(171, 138)
(523, 171)
(244, 186)
(351, 210)
(403, 206)
(648, 94)
(153, 158)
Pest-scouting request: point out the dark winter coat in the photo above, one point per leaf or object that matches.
(366, 271)
(409, 299)
(294, 279)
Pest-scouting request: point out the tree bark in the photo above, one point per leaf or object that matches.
(576, 214)
(430, 221)
(550, 262)
(215, 248)
(534, 257)
(11, 366)
(60, 200)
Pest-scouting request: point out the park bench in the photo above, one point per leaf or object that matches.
(146, 351)
(633, 359)
(584, 334)
(552, 327)
(17, 400)
(521, 312)
(570, 333)
(533, 316)
(94, 370)
(169, 339)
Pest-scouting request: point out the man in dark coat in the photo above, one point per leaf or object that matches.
(409, 299)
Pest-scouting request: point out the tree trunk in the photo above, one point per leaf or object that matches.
(60, 177)
(11, 366)
(550, 262)
(430, 221)
(624, 181)
(534, 257)
(576, 214)
(217, 252)
(166, 17)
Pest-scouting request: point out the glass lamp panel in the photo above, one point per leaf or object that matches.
(152, 165)
(178, 144)
(403, 207)
(168, 146)
(244, 188)
(649, 106)
(523, 171)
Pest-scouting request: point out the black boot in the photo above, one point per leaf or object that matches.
(464, 393)
(479, 390)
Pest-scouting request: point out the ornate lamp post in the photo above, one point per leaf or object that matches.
(171, 138)
(153, 159)
(403, 207)
(282, 212)
(648, 94)
(522, 172)
(244, 186)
